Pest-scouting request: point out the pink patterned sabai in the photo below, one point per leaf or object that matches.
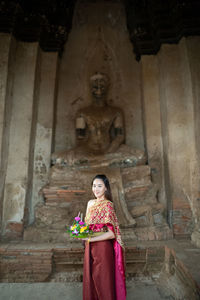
(102, 214)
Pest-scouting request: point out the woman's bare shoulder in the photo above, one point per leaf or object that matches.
(90, 202)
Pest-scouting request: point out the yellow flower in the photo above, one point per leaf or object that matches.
(83, 229)
(73, 227)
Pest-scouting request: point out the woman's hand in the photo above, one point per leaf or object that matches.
(109, 235)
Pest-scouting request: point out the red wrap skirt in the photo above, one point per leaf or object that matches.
(99, 271)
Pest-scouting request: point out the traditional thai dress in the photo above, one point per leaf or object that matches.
(104, 272)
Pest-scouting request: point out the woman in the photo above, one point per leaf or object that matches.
(104, 275)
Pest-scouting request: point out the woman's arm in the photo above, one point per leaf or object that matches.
(90, 202)
(109, 235)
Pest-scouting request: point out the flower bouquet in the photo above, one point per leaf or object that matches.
(79, 229)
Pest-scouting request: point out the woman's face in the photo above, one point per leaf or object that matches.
(98, 188)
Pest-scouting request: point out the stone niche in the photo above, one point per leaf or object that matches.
(99, 130)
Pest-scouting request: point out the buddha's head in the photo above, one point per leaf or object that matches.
(99, 83)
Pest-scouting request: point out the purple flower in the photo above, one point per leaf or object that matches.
(81, 223)
(77, 218)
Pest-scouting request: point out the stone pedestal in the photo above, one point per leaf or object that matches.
(140, 215)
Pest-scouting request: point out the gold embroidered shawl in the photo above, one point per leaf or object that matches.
(102, 212)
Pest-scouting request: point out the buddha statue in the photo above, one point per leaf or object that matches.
(99, 133)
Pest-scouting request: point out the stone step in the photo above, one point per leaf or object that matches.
(46, 235)
(147, 233)
(60, 235)
(46, 262)
(154, 233)
(65, 261)
(25, 265)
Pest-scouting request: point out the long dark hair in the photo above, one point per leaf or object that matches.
(108, 194)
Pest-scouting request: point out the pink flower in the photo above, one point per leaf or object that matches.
(77, 218)
(81, 223)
